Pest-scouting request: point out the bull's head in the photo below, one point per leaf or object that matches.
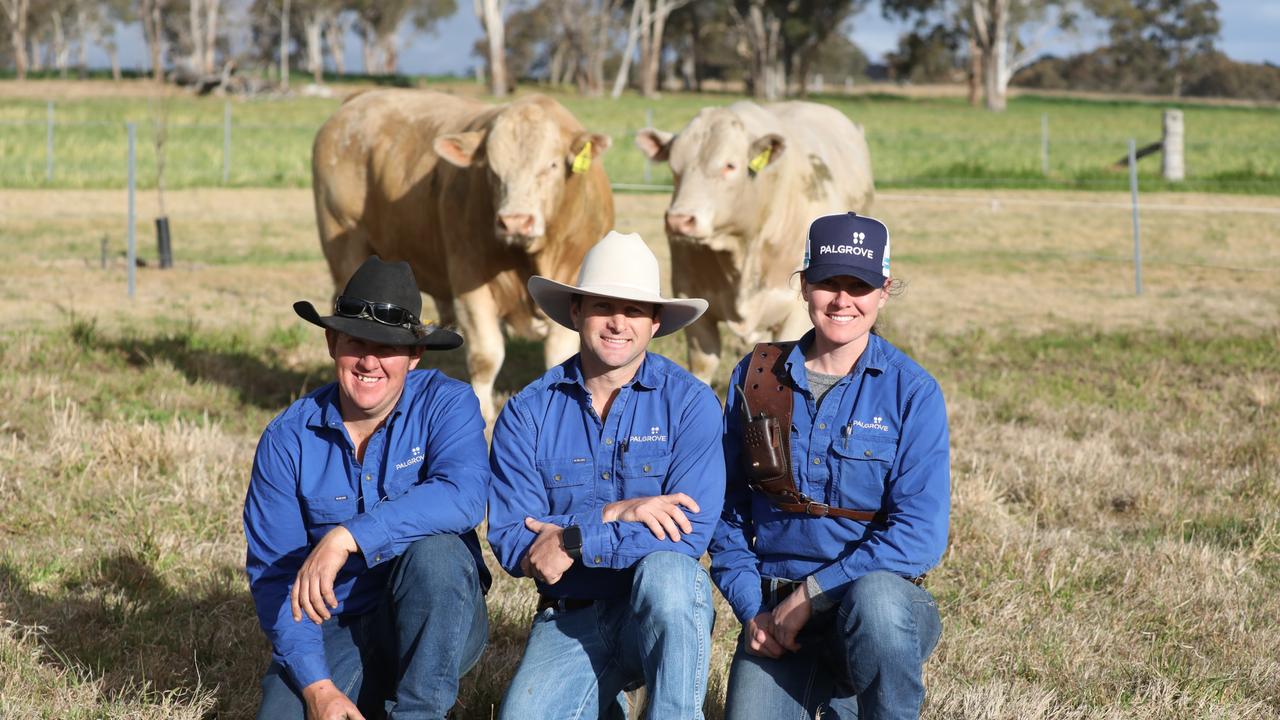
(529, 156)
(715, 163)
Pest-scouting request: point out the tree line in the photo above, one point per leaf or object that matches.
(774, 48)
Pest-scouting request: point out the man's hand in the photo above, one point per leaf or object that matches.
(312, 591)
(326, 702)
(660, 513)
(546, 559)
(760, 639)
(790, 616)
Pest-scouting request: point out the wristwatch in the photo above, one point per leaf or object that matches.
(571, 538)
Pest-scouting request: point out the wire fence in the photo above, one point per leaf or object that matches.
(230, 152)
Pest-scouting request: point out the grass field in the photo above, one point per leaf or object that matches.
(1115, 547)
(918, 141)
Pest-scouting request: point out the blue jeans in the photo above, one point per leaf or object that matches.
(576, 662)
(862, 660)
(403, 659)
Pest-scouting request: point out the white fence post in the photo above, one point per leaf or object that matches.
(226, 141)
(1137, 233)
(1044, 144)
(1171, 165)
(132, 254)
(48, 144)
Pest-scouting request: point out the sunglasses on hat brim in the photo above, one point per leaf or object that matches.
(379, 312)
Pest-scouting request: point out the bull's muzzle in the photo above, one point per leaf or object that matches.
(682, 224)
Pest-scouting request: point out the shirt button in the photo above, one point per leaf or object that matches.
(605, 475)
(646, 468)
(597, 559)
(367, 478)
(377, 558)
(817, 461)
(822, 426)
(608, 441)
(557, 477)
(867, 452)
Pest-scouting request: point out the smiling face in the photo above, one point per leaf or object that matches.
(370, 375)
(614, 332)
(842, 309)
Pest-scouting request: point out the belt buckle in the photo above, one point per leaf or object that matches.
(822, 509)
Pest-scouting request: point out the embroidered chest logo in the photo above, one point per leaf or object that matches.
(415, 457)
(875, 424)
(655, 435)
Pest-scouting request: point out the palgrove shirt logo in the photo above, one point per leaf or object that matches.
(414, 459)
(875, 424)
(655, 435)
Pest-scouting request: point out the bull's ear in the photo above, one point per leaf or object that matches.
(655, 144)
(599, 144)
(765, 151)
(459, 148)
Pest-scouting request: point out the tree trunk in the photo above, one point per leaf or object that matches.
(763, 32)
(195, 13)
(114, 53)
(693, 72)
(315, 50)
(390, 53)
(490, 13)
(653, 57)
(624, 67)
(284, 44)
(82, 32)
(369, 49)
(975, 71)
(557, 69)
(996, 72)
(16, 11)
(211, 34)
(60, 50)
(151, 14)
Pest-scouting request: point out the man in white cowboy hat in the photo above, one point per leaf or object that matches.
(360, 519)
(608, 478)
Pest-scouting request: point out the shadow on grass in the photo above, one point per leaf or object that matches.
(117, 621)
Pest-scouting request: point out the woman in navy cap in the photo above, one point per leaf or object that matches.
(837, 501)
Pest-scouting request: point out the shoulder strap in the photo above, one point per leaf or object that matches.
(766, 391)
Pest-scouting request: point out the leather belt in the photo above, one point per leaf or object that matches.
(817, 509)
(563, 604)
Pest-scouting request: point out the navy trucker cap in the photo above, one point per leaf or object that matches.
(847, 244)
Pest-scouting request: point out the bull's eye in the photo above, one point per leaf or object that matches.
(730, 167)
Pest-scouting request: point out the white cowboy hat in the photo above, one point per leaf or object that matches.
(620, 266)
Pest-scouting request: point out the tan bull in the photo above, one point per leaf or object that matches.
(519, 193)
(748, 180)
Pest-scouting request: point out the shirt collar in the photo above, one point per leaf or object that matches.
(328, 411)
(872, 358)
(650, 376)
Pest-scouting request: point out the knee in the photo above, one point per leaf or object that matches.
(436, 558)
(877, 611)
(670, 585)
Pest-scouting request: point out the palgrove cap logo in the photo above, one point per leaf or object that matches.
(858, 237)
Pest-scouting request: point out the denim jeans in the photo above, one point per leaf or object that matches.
(862, 660)
(405, 658)
(576, 662)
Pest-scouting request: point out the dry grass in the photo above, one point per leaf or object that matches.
(1115, 546)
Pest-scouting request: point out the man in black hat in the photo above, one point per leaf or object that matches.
(360, 519)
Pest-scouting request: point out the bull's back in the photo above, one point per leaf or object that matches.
(840, 144)
(375, 175)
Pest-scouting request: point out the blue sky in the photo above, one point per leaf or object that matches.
(1250, 29)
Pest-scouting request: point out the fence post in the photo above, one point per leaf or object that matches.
(1044, 144)
(1171, 165)
(648, 166)
(132, 254)
(1137, 233)
(48, 144)
(226, 141)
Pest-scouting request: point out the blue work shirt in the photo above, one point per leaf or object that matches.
(424, 473)
(555, 460)
(878, 441)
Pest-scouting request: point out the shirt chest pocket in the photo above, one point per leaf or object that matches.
(567, 481)
(324, 511)
(643, 475)
(862, 470)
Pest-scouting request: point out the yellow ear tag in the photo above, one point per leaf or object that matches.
(582, 161)
(758, 162)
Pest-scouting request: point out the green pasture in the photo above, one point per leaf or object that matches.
(915, 142)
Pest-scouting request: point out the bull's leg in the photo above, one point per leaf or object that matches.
(480, 325)
(561, 342)
(704, 348)
(344, 250)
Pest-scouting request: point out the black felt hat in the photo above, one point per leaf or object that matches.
(379, 284)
